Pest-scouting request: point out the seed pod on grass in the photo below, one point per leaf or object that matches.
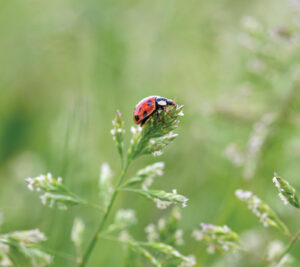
(123, 219)
(118, 132)
(26, 243)
(166, 230)
(171, 252)
(161, 198)
(77, 236)
(262, 210)
(286, 192)
(217, 238)
(146, 175)
(105, 184)
(55, 193)
(140, 250)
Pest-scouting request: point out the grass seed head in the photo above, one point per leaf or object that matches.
(262, 210)
(156, 134)
(217, 238)
(118, 132)
(77, 233)
(286, 192)
(55, 193)
(105, 184)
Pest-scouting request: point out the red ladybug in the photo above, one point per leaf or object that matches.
(148, 106)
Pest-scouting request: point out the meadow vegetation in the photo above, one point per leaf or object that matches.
(215, 185)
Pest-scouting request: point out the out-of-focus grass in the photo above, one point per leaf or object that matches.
(66, 66)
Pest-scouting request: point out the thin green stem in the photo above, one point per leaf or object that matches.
(114, 239)
(59, 254)
(98, 232)
(288, 248)
(130, 189)
(81, 200)
(93, 205)
(283, 227)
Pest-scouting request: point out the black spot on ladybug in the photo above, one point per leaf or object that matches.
(149, 101)
(140, 108)
(145, 114)
(136, 117)
(149, 105)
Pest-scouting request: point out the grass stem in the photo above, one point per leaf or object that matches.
(288, 248)
(97, 234)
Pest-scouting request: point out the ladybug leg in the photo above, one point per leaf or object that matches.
(157, 114)
(158, 118)
(144, 121)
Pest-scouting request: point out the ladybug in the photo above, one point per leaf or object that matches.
(148, 106)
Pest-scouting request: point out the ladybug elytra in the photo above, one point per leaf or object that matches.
(148, 106)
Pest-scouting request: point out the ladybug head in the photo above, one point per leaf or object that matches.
(170, 102)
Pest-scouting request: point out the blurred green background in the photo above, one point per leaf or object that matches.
(67, 65)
